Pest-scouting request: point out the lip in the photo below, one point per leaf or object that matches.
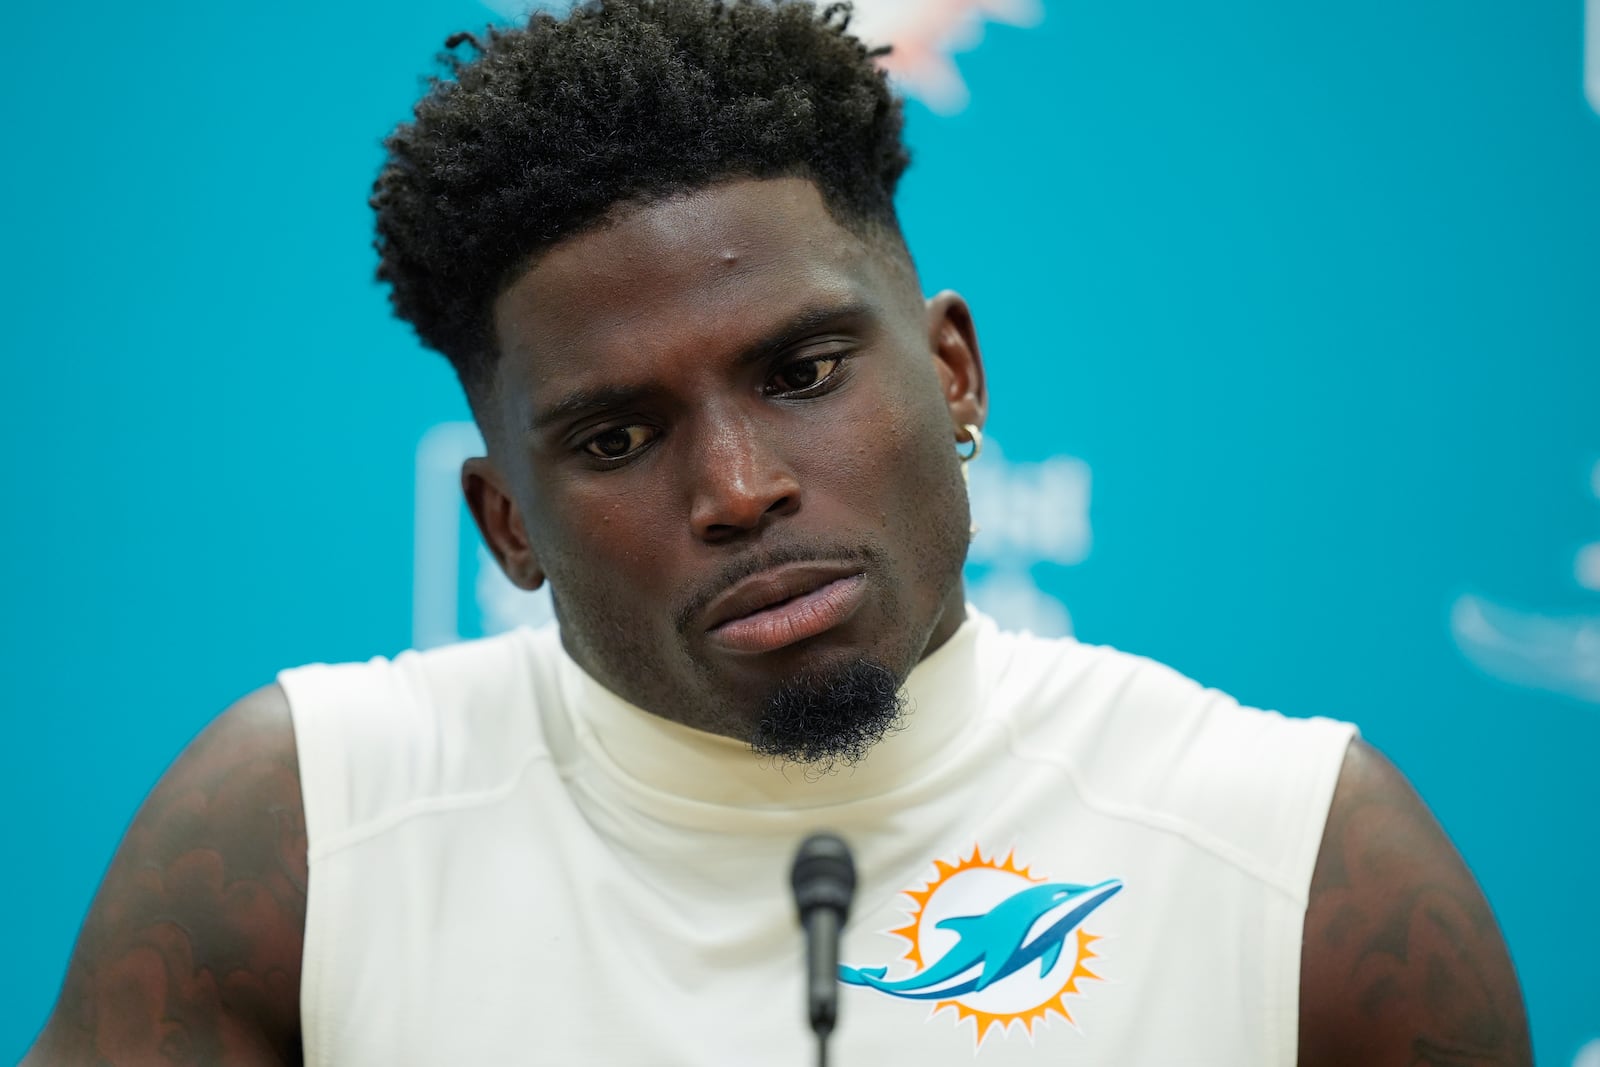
(785, 605)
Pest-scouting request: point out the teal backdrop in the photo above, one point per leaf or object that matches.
(1292, 318)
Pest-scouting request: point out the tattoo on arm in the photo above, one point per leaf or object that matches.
(1402, 963)
(191, 951)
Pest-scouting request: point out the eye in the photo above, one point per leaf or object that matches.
(619, 443)
(804, 375)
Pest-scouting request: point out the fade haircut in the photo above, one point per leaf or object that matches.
(535, 133)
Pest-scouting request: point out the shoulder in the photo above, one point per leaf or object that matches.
(468, 678)
(193, 942)
(1144, 742)
(1402, 961)
(387, 736)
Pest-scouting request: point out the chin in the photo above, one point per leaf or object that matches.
(827, 717)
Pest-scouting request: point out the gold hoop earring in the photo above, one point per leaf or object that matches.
(974, 437)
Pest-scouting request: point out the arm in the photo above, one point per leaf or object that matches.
(1402, 963)
(191, 951)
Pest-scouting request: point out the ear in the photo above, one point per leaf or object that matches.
(500, 522)
(954, 344)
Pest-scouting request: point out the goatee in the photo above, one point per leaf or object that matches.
(830, 718)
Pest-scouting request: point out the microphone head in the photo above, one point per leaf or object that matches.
(824, 875)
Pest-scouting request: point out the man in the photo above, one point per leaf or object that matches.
(657, 241)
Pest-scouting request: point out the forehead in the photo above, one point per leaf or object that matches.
(708, 270)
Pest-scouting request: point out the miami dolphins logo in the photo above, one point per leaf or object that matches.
(992, 942)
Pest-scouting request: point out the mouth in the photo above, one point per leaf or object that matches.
(785, 605)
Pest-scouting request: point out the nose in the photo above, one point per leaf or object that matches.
(741, 481)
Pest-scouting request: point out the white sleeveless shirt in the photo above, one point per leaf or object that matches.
(1068, 855)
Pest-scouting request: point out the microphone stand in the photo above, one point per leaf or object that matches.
(824, 880)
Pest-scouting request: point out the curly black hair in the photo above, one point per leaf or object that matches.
(533, 134)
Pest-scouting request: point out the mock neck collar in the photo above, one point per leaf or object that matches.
(672, 760)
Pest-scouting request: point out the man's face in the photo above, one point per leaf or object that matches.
(723, 428)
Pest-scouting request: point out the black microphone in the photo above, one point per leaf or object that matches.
(824, 879)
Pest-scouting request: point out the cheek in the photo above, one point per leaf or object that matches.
(912, 444)
(896, 472)
(924, 503)
(599, 537)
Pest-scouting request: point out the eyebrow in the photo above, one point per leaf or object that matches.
(790, 332)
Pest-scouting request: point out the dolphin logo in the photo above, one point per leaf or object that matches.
(996, 944)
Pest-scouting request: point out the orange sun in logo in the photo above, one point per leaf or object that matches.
(974, 884)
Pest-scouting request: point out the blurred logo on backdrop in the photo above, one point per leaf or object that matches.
(1557, 653)
(1030, 516)
(925, 34)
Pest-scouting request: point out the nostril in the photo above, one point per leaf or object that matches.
(730, 527)
(787, 504)
(721, 533)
